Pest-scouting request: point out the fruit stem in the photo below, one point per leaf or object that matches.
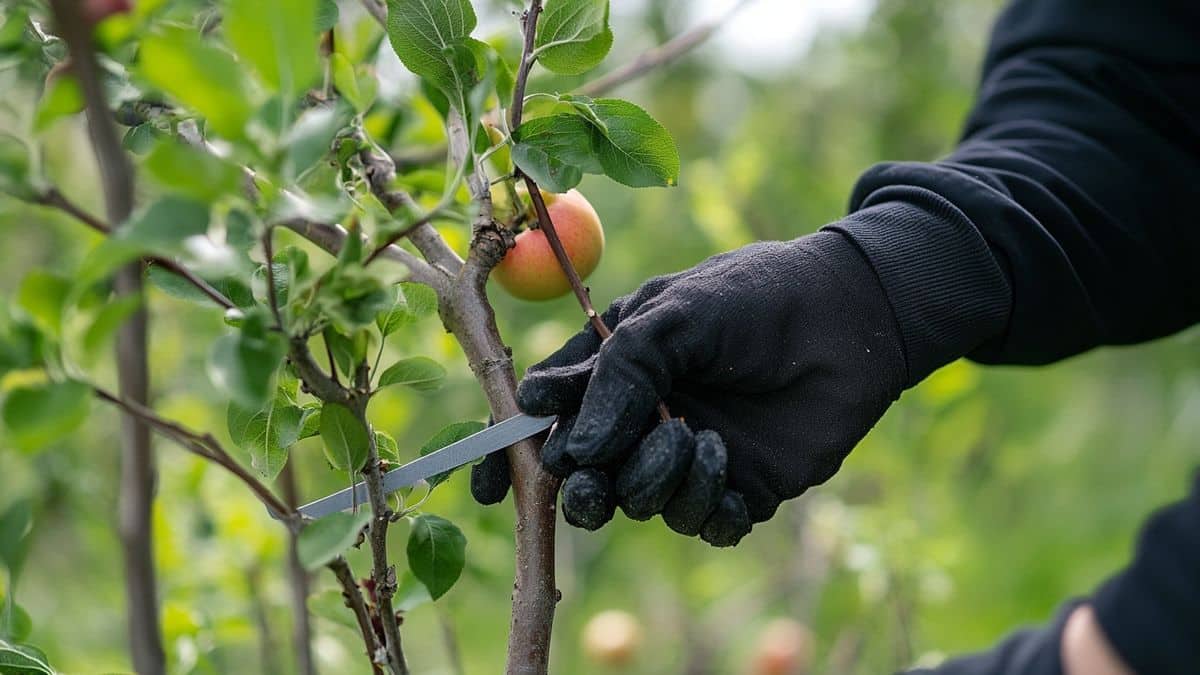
(564, 261)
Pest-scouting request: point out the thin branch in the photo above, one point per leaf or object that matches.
(661, 55)
(529, 26)
(315, 380)
(202, 445)
(56, 199)
(383, 573)
(269, 254)
(398, 235)
(298, 576)
(352, 594)
(138, 474)
(331, 238)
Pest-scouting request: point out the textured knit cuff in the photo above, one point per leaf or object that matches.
(1150, 612)
(946, 289)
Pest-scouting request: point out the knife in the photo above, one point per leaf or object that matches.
(496, 437)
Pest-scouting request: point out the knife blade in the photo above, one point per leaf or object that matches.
(496, 437)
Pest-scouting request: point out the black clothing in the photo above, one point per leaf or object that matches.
(1076, 179)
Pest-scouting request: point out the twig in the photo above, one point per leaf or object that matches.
(659, 56)
(539, 204)
(331, 238)
(382, 572)
(269, 253)
(54, 198)
(298, 576)
(138, 474)
(202, 445)
(352, 594)
(398, 235)
(529, 26)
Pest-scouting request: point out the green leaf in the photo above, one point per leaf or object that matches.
(573, 35)
(107, 321)
(15, 165)
(265, 434)
(436, 553)
(43, 295)
(191, 172)
(358, 87)
(15, 525)
(141, 139)
(327, 15)
(310, 421)
(160, 229)
(276, 37)
(639, 151)
(62, 98)
(345, 438)
(556, 150)
(243, 364)
(310, 139)
(15, 624)
(387, 447)
(410, 302)
(327, 538)
(177, 287)
(410, 593)
(37, 416)
(451, 433)
(429, 37)
(22, 660)
(201, 76)
(418, 372)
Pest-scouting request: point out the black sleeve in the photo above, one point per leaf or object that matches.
(1066, 218)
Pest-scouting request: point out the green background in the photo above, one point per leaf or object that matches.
(983, 499)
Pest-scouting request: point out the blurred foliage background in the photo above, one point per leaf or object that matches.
(983, 499)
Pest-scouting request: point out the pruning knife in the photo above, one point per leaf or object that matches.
(496, 437)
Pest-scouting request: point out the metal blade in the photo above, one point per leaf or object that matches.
(469, 449)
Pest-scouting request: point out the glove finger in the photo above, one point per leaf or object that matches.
(655, 470)
(558, 382)
(554, 456)
(490, 479)
(729, 523)
(627, 382)
(701, 491)
(588, 500)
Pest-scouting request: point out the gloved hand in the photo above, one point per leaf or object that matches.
(788, 351)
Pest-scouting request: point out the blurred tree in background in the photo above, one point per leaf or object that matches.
(984, 498)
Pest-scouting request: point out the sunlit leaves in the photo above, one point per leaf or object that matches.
(556, 151)
(607, 136)
(199, 75)
(357, 86)
(430, 37)
(436, 553)
(192, 172)
(243, 365)
(42, 295)
(573, 35)
(266, 434)
(177, 287)
(451, 433)
(345, 437)
(161, 228)
(410, 302)
(36, 416)
(327, 538)
(277, 38)
(63, 97)
(417, 372)
(638, 152)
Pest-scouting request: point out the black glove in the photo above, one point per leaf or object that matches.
(788, 351)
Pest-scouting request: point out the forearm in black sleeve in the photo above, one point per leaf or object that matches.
(1066, 218)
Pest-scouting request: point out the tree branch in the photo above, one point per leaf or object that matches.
(659, 56)
(298, 576)
(331, 238)
(352, 594)
(138, 474)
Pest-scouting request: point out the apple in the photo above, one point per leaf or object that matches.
(612, 637)
(96, 11)
(531, 272)
(785, 647)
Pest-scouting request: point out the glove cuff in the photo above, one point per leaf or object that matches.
(948, 293)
